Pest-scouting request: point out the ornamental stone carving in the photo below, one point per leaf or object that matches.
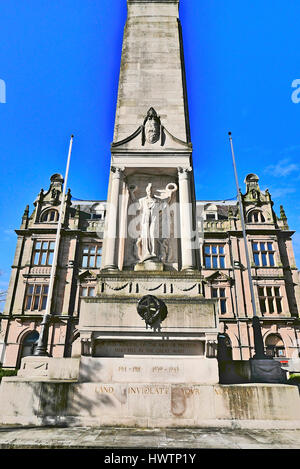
(152, 310)
(117, 172)
(183, 173)
(151, 127)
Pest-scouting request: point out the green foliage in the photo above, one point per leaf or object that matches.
(4, 372)
(294, 378)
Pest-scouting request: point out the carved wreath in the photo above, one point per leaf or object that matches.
(152, 310)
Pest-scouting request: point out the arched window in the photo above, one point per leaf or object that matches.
(29, 344)
(224, 347)
(50, 216)
(255, 216)
(275, 346)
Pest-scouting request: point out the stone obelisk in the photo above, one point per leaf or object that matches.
(149, 300)
(149, 312)
(150, 222)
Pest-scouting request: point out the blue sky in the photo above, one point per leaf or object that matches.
(60, 62)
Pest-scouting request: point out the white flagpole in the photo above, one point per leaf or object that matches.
(243, 229)
(257, 334)
(41, 349)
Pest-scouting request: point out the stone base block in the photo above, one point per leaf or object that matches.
(51, 368)
(150, 266)
(149, 370)
(148, 404)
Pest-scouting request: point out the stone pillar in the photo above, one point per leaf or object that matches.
(186, 220)
(68, 302)
(111, 261)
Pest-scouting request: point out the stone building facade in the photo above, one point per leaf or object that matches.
(223, 271)
(154, 146)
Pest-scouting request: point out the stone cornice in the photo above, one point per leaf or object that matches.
(34, 316)
(35, 230)
(262, 319)
(268, 231)
(134, 275)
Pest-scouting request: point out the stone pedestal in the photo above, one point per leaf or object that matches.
(190, 326)
(149, 266)
(119, 346)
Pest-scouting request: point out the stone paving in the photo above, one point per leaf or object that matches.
(12, 437)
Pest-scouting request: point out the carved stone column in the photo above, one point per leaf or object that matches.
(186, 220)
(111, 261)
(86, 347)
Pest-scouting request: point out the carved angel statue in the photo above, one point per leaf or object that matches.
(150, 208)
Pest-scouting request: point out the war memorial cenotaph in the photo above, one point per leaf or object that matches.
(148, 339)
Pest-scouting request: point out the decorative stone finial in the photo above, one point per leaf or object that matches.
(252, 186)
(282, 213)
(69, 196)
(25, 217)
(26, 211)
(77, 211)
(57, 178)
(283, 217)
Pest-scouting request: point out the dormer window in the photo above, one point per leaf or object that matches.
(98, 211)
(255, 217)
(211, 212)
(50, 216)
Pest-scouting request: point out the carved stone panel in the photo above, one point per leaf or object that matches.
(152, 220)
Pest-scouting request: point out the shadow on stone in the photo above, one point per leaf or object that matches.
(61, 402)
(251, 371)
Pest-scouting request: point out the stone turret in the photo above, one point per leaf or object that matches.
(50, 201)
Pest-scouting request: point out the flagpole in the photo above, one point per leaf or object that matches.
(258, 340)
(41, 349)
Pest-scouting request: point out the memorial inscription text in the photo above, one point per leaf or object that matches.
(121, 348)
